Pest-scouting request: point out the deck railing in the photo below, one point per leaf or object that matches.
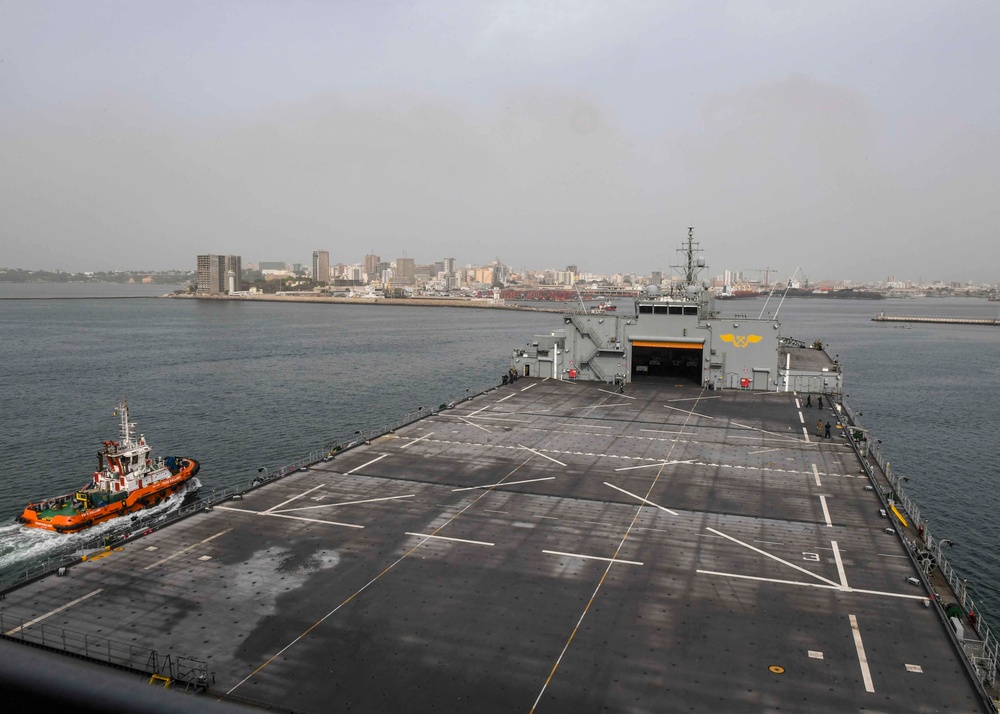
(181, 671)
(983, 654)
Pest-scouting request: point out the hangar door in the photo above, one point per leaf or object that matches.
(667, 359)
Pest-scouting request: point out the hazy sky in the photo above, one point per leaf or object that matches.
(851, 139)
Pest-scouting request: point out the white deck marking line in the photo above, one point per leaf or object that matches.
(342, 503)
(502, 483)
(826, 511)
(496, 418)
(50, 613)
(481, 409)
(865, 672)
(663, 431)
(798, 404)
(312, 520)
(768, 542)
(456, 540)
(840, 565)
(692, 399)
(475, 425)
(641, 499)
(597, 589)
(616, 394)
(659, 463)
(185, 550)
(773, 557)
(816, 475)
(411, 443)
(505, 398)
(294, 498)
(740, 576)
(685, 411)
(585, 426)
(551, 518)
(763, 451)
(802, 419)
(605, 406)
(368, 463)
(529, 387)
(759, 578)
(889, 555)
(538, 453)
(805, 433)
(593, 557)
(490, 510)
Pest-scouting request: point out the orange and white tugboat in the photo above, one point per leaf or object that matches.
(127, 480)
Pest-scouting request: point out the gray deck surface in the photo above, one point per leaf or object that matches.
(548, 546)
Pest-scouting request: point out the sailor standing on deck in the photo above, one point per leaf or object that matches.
(827, 435)
(809, 400)
(819, 428)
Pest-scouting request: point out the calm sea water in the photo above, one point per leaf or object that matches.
(243, 385)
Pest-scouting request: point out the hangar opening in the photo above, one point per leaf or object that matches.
(667, 359)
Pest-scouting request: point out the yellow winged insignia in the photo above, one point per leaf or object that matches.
(740, 340)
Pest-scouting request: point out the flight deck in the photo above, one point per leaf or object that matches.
(549, 546)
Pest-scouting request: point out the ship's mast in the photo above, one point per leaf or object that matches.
(689, 276)
(126, 426)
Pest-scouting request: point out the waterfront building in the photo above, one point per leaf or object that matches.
(405, 272)
(321, 266)
(219, 274)
(272, 265)
(372, 269)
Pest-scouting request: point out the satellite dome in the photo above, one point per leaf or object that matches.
(700, 260)
(652, 290)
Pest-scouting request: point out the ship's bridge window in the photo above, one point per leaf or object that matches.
(690, 309)
(645, 309)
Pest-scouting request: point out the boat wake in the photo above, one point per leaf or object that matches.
(22, 547)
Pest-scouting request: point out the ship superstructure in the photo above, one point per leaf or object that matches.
(677, 334)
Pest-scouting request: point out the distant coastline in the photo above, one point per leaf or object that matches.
(404, 302)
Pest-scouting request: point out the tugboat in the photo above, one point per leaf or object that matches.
(127, 480)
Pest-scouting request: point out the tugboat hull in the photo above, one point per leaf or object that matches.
(63, 515)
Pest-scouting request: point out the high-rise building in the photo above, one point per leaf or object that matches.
(372, 267)
(219, 274)
(405, 272)
(321, 266)
(449, 266)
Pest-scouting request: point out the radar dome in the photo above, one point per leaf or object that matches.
(700, 260)
(652, 290)
(691, 291)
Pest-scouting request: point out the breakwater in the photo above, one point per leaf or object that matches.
(882, 317)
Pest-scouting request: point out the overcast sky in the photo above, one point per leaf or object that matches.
(852, 139)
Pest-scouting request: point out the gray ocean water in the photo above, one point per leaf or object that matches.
(242, 385)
